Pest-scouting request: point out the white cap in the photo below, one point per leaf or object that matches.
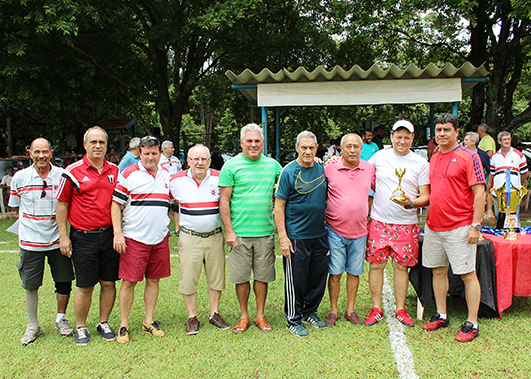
(404, 124)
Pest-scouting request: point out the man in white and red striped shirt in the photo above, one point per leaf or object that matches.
(507, 158)
(168, 160)
(141, 238)
(32, 191)
(200, 241)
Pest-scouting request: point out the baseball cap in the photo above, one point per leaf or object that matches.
(404, 124)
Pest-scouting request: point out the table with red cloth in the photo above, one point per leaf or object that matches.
(513, 268)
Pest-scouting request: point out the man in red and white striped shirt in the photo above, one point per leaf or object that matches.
(200, 241)
(142, 238)
(32, 195)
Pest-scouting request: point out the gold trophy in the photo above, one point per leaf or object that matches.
(507, 202)
(398, 193)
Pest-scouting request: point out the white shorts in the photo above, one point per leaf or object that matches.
(451, 247)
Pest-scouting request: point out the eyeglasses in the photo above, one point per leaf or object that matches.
(200, 159)
(148, 138)
(44, 186)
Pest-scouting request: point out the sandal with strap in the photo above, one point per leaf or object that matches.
(241, 326)
(263, 325)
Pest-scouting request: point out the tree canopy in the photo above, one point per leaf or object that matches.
(65, 65)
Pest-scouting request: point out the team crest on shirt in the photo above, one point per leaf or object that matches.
(214, 190)
(111, 178)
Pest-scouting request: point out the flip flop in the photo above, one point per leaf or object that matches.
(241, 326)
(263, 325)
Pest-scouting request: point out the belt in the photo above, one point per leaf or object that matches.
(199, 234)
(97, 231)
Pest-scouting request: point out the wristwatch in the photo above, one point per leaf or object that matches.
(477, 227)
(409, 206)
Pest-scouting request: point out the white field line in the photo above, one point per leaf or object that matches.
(403, 356)
(9, 251)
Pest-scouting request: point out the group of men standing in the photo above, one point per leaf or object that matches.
(119, 228)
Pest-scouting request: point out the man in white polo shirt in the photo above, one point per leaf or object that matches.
(142, 239)
(168, 160)
(200, 241)
(32, 191)
(506, 158)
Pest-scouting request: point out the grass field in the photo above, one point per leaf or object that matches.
(344, 351)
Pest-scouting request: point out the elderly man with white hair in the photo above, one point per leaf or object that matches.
(201, 240)
(300, 202)
(246, 186)
(132, 156)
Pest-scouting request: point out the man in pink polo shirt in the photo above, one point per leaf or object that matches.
(349, 182)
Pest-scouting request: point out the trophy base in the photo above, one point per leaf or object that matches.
(511, 236)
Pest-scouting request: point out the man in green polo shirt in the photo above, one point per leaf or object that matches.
(246, 188)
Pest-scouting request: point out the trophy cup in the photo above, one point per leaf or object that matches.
(398, 193)
(507, 198)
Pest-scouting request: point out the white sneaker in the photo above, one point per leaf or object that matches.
(31, 334)
(64, 328)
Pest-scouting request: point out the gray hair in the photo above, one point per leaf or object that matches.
(503, 134)
(251, 128)
(199, 145)
(133, 144)
(166, 144)
(85, 137)
(474, 137)
(305, 134)
(349, 134)
(484, 128)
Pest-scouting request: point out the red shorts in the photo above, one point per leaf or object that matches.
(139, 260)
(401, 242)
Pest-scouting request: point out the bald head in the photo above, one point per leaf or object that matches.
(39, 141)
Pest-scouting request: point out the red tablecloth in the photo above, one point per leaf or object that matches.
(513, 268)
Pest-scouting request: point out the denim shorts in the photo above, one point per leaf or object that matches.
(346, 254)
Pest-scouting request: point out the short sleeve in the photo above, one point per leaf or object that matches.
(226, 176)
(283, 187)
(121, 192)
(14, 196)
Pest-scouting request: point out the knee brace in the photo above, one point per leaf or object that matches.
(63, 288)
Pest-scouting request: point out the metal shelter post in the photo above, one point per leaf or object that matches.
(455, 106)
(432, 120)
(277, 132)
(264, 127)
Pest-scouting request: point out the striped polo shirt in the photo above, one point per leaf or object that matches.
(146, 200)
(172, 164)
(34, 197)
(198, 203)
(514, 160)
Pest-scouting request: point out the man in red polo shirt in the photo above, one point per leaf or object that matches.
(85, 195)
(453, 227)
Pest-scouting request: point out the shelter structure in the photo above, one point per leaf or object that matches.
(340, 87)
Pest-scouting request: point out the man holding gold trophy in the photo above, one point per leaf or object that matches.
(507, 178)
(402, 186)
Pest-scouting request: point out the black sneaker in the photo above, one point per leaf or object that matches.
(467, 332)
(81, 336)
(105, 330)
(436, 322)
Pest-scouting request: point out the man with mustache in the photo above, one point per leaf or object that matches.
(32, 192)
